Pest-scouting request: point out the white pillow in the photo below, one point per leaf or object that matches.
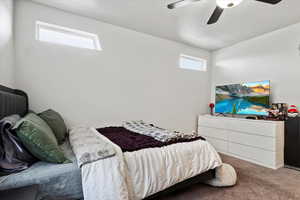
(225, 176)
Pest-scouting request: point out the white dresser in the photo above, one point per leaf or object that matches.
(257, 141)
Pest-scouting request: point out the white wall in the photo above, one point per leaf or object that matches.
(136, 76)
(6, 43)
(274, 56)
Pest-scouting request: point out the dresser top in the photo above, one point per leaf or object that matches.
(241, 119)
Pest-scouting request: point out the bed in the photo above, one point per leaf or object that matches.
(69, 181)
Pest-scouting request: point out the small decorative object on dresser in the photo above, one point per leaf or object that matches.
(211, 106)
(278, 111)
(293, 111)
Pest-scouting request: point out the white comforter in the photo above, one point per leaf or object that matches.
(136, 175)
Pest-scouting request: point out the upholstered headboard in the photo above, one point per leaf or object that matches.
(12, 102)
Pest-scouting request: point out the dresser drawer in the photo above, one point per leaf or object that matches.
(257, 127)
(267, 158)
(254, 127)
(219, 145)
(212, 122)
(213, 132)
(267, 143)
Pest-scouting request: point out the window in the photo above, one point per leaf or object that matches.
(65, 36)
(192, 63)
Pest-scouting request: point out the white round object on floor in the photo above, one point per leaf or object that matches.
(225, 176)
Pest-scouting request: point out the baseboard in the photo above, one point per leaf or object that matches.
(252, 161)
(291, 167)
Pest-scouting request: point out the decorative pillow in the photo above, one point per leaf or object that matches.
(225, 176)
(39, 139)
(56, 123)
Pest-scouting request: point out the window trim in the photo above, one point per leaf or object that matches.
(66, 30)
(202, 60)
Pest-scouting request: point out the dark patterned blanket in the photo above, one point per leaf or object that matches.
(130, 141)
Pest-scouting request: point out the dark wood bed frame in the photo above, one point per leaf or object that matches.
(21, 107)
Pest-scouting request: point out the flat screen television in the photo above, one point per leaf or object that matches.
(243, 99)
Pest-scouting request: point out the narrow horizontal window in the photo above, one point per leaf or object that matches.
(192, 63)
(66, 36)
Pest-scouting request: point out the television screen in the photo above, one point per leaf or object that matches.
(243, 99)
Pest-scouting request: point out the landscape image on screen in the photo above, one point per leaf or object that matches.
(243, 99)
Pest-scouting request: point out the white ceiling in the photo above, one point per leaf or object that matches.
(188, 24)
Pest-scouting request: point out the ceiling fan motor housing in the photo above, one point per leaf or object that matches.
(228, 3)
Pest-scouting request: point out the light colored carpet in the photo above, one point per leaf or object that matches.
(254, 183)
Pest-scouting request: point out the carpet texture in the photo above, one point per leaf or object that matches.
(254, 183)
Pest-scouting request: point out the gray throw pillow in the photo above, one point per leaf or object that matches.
(56, 123)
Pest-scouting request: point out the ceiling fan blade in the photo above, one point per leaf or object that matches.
(216, 15)
(180, 3)
(270, 1)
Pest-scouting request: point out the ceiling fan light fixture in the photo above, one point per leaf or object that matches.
(228, 3)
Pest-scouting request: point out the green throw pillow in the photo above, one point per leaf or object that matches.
(56, 123)
(39, 139)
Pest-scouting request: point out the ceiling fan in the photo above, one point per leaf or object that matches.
(221, 6)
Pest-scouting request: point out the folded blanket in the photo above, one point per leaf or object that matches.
(14, 157)
(130, 141)
(88, 146)
(157, 133)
